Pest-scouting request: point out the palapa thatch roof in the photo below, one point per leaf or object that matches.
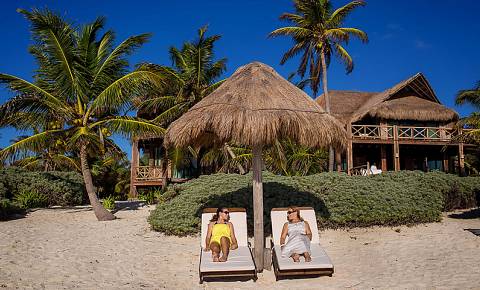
(412, 108)
(411, 99)
(256, 106)
(344, 103)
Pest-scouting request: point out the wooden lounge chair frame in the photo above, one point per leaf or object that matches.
(242, 242)
(297, 272)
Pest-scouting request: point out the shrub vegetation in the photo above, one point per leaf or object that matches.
(60, 188)
(8, 208)
(339, 200)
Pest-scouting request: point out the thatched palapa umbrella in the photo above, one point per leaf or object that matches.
(254, 107)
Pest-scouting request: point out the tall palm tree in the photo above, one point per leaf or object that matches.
(194, 74)
(82, 83)
(317, 32)
(472, 97)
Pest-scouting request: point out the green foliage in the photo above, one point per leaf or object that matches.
(8, 208)
(112, 177)
(151, 196)
(31, 199)
(318, 32)
(61, 188)
(109, 202)
(339, 200)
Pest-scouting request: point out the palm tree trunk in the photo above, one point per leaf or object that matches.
(100, 212)
(331, 155)
(233, 156)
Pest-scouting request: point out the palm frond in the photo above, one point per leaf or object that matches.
(339, 15)
(129, 126)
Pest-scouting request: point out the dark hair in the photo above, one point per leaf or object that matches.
(215, 216)
(297, 210)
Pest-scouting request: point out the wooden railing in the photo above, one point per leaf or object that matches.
(386, 132)
(148, 173)
(358, 170)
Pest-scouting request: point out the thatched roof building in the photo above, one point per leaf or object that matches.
(412, 99)
(256, 106)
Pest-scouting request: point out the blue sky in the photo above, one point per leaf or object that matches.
(439, 38)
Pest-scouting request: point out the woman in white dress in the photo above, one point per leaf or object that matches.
(299, 236)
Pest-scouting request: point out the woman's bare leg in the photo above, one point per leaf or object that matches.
(295, 257)
(225, 244)
(215, 247)
(308, 258)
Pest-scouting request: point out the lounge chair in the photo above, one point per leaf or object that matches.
(284, 266)
(240, 261)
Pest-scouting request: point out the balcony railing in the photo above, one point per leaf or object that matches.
(148, 173)
(387, 132)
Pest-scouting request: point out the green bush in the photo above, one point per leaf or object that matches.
(109, 202)
(31, 199)
(392, 198)
(61, 188)
(8, 208)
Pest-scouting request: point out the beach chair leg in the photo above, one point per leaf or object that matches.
(201, 279)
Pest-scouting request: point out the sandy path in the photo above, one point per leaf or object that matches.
(69, 249)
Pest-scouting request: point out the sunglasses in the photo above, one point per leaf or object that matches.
(289, 212)
(226, 212)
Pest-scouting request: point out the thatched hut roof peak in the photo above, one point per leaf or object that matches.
(256, 106)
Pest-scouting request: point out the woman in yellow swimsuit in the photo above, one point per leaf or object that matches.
(220, 235)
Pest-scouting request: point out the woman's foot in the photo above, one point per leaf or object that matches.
(222, 259)
(215, 258)
(296, 258)
(308, 258)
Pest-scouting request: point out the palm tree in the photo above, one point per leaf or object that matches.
(82, 83)
(194, 74)
(472, 97)
(317, 33)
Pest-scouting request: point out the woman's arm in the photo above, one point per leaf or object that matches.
(284, 234)
(234, 238)
(208, 237)
(308, 232)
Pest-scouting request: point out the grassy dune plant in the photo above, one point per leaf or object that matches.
(31, 199)
(109, 202)
(339, 200)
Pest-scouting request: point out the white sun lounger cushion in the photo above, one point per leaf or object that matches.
(239, 259)
(320, 258)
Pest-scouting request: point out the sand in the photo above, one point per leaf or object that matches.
(69, 249)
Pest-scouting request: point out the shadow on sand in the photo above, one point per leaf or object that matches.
(470, 214)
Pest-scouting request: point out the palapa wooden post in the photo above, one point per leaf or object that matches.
(445, 162)
(461, 156)
(133, 168)
(349, 149)
(338, 160)
(396, 149)
(258, 207)
(383, 156)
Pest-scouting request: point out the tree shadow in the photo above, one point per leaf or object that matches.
(274, 195)
(470, 214)
(128, 205)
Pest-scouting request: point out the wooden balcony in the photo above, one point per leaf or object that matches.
(147, 175)
(404, 134)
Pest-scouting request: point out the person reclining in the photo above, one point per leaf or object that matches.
(220, 235)
(299, 236)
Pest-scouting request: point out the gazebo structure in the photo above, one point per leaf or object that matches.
(254, 107)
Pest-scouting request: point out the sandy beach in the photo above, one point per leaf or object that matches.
(69, 249)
